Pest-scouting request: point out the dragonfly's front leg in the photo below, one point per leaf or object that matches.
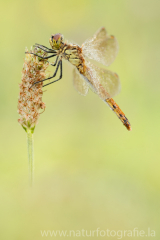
(54, 64)
(44, 49)
(41, 56)
(36, 44)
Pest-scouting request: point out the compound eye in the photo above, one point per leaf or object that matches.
(57, 36)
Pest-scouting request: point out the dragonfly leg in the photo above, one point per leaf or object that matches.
(60, 77)
(59, 64)
(36, 44)
(54, 64)
(42, 48)
(41, 56)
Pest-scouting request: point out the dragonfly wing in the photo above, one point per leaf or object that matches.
(104, 82)
(79, 83)
(101, 47)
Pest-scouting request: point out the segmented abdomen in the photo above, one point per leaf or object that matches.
(113, 105)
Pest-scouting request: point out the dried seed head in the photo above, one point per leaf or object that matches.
(30, 98)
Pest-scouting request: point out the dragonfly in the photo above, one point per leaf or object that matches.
(102, 48)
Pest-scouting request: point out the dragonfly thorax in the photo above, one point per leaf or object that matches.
(56, 41)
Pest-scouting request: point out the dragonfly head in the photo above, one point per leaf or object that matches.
(56, 40)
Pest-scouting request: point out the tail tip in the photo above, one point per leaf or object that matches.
(128, 126)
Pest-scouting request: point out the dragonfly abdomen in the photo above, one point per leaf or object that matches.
(114, 106)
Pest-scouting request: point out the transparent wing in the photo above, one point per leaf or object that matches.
(102, 81)
(79, 83)
(101, 47)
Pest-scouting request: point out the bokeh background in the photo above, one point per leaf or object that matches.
(90, 172)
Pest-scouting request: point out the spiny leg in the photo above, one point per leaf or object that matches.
(43, 46)
(60, 77)
(40, 47)
(49, 77)
(55, 73)
(41, 56)
(54, 64)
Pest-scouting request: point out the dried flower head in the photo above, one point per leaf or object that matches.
(30, 103)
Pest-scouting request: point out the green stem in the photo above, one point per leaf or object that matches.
(30, 155)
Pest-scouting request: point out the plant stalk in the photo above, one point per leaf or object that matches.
(30, 155)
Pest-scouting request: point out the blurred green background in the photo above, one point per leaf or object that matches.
(90, 172)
